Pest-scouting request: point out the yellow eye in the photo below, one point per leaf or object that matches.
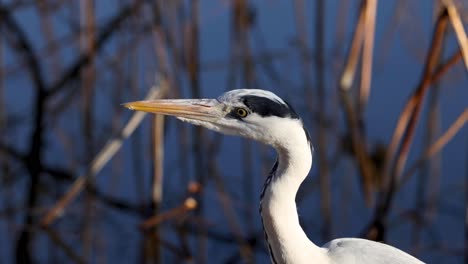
(242, 112)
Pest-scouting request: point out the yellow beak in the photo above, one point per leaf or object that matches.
(194, 109)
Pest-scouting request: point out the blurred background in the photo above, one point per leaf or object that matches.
(380, 85)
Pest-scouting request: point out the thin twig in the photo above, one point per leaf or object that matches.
(188, 205)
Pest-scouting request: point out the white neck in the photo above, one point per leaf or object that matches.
(286, 239)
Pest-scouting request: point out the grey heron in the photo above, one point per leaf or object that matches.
(263, 116)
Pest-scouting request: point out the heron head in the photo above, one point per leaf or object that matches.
(257, 114)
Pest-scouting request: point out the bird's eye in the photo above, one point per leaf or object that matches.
(241, 112)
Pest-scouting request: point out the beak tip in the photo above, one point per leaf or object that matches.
(128, 105)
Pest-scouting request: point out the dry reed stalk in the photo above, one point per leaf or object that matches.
(457, 25)
(442, 69)
(158, 158)
(367, 53)
(357, 138)
(437, 146)
(347, 77)
(404, 131)
(157, 190)
(405, 128)
(101, 159)
(429, 177)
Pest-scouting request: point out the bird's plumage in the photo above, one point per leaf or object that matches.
(357, 250)
(263, 116)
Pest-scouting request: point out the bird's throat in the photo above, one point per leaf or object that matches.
(286, 239)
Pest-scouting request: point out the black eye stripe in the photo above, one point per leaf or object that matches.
(266, 107)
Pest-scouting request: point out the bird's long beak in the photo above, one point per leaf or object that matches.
(208, 110)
